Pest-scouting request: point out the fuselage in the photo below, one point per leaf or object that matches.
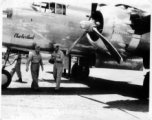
(44, 25)
(28, 27)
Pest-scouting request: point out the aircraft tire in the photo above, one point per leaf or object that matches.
(146, 61)
(146, 86)
(80, 73)
(6, 79)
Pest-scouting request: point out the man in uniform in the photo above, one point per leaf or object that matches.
(36, 60)
(58, 57)
(17, 67)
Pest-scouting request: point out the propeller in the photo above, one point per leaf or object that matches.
(109, 46)
(92, 26)
(93, 9)
(74, 44)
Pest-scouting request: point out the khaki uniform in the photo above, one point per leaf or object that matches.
(58, 67)
(17, 67)
(36, 60)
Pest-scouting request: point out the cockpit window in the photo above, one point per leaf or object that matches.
(50, 8)
(60, 9)
(44, 7)
(64, 10)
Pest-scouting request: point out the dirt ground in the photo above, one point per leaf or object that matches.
(107, 95)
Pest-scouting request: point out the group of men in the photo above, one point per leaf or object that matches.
(36, 61)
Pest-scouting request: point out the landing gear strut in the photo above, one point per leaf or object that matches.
(80, 72)
(146, 85)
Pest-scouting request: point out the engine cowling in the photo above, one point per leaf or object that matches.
(109, 18)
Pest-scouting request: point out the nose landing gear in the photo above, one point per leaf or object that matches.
(6, 79)
(6, 76)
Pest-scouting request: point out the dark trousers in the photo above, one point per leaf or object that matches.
(35, 75)
(17, 69)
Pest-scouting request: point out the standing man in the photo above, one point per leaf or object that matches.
(58, 57)
(17, 67)
(36, 60)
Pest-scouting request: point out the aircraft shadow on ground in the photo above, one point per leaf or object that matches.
(137, 105)
(53, 81)
(105, 86)
(140, 105)
(96, 86)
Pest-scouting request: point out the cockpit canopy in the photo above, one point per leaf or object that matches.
(50, 7)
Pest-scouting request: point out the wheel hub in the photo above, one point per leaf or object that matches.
(4, 79)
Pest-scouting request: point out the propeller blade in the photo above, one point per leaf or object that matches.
(109, 46)
(93, 10)
(74, 44)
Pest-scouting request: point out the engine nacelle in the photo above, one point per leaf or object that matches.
(110, 18)
(119, 26)
(143, 49)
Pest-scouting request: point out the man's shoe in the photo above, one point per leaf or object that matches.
(57, 90)
(35, 89)
(19, 80)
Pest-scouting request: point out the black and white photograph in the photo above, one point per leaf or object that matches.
(76, 60)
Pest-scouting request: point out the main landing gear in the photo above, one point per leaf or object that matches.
(80, 70)
(146, 85)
